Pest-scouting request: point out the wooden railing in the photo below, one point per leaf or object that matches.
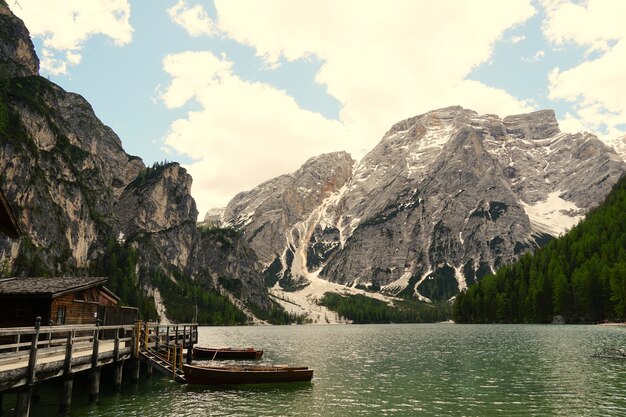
(19, 339)
(161, 336)
(32, 354)
(44, 352)
(163, 346)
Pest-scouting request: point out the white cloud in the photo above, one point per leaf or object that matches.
(517, 39)
(195, 20)
(67, 24)
(593, 23)
(595, 87)
(571, 124)
(382, 64)
(244, 131)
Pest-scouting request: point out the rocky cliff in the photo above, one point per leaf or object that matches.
(75, 190)
(280, 213)
(158, 215)
(17, 55)
(443, 199)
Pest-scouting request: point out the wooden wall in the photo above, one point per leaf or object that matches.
(76, 312)
(81, 307)
(120, 315)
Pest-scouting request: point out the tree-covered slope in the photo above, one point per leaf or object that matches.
(580, 276)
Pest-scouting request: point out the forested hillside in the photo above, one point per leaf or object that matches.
(580, 276)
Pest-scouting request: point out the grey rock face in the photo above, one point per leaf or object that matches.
(156, 210)
(269, 213)
(63, 169)
(17, 54)
(445, 198)
(225, 260)
(214, 217)
(537, 125)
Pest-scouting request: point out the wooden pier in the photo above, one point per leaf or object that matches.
(39, 353)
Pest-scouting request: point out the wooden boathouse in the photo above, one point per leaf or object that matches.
(60, 301)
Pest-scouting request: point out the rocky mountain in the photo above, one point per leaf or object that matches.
(619, 144)
(17, 55)
(214, 217)
(279, 213)
(445, 198)
(75, 190)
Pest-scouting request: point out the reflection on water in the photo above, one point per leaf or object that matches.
(394, 370)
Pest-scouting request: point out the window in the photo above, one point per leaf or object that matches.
(60, 315)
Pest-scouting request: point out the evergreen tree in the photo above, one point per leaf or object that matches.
(580, 276)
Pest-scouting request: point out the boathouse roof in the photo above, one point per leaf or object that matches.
(46, 287)
(8, 222)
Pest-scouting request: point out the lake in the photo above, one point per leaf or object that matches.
(392, 370)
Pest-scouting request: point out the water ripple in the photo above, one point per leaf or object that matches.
(397, 370)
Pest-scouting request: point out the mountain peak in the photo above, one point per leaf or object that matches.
(326, 159)
(17, 53)
(536, 125)
(443, 114)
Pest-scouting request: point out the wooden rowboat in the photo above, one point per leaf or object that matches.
(218, 375)
(200, 352)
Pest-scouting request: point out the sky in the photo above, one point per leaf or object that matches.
(241, 91)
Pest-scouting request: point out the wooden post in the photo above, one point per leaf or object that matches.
(174, 363)
(49, 336)
(136, 338)
(158, 336)
(22, 408)
(167, 338)
(189, 353)
(136, 368)
(146, 329)
(176, 338)
(68, 376)
(180, 356)
(17, 342)
(94, 383)
(117, 382)
(36, 395)
(66, 398)
(119, 365)
(149, 369)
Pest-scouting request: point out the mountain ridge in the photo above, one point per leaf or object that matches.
(445, 198)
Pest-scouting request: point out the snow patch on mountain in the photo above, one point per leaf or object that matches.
(399, 284)
(305, 301)
(554, 215)
(619, 144)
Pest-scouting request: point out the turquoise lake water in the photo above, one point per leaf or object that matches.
(392, 370)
